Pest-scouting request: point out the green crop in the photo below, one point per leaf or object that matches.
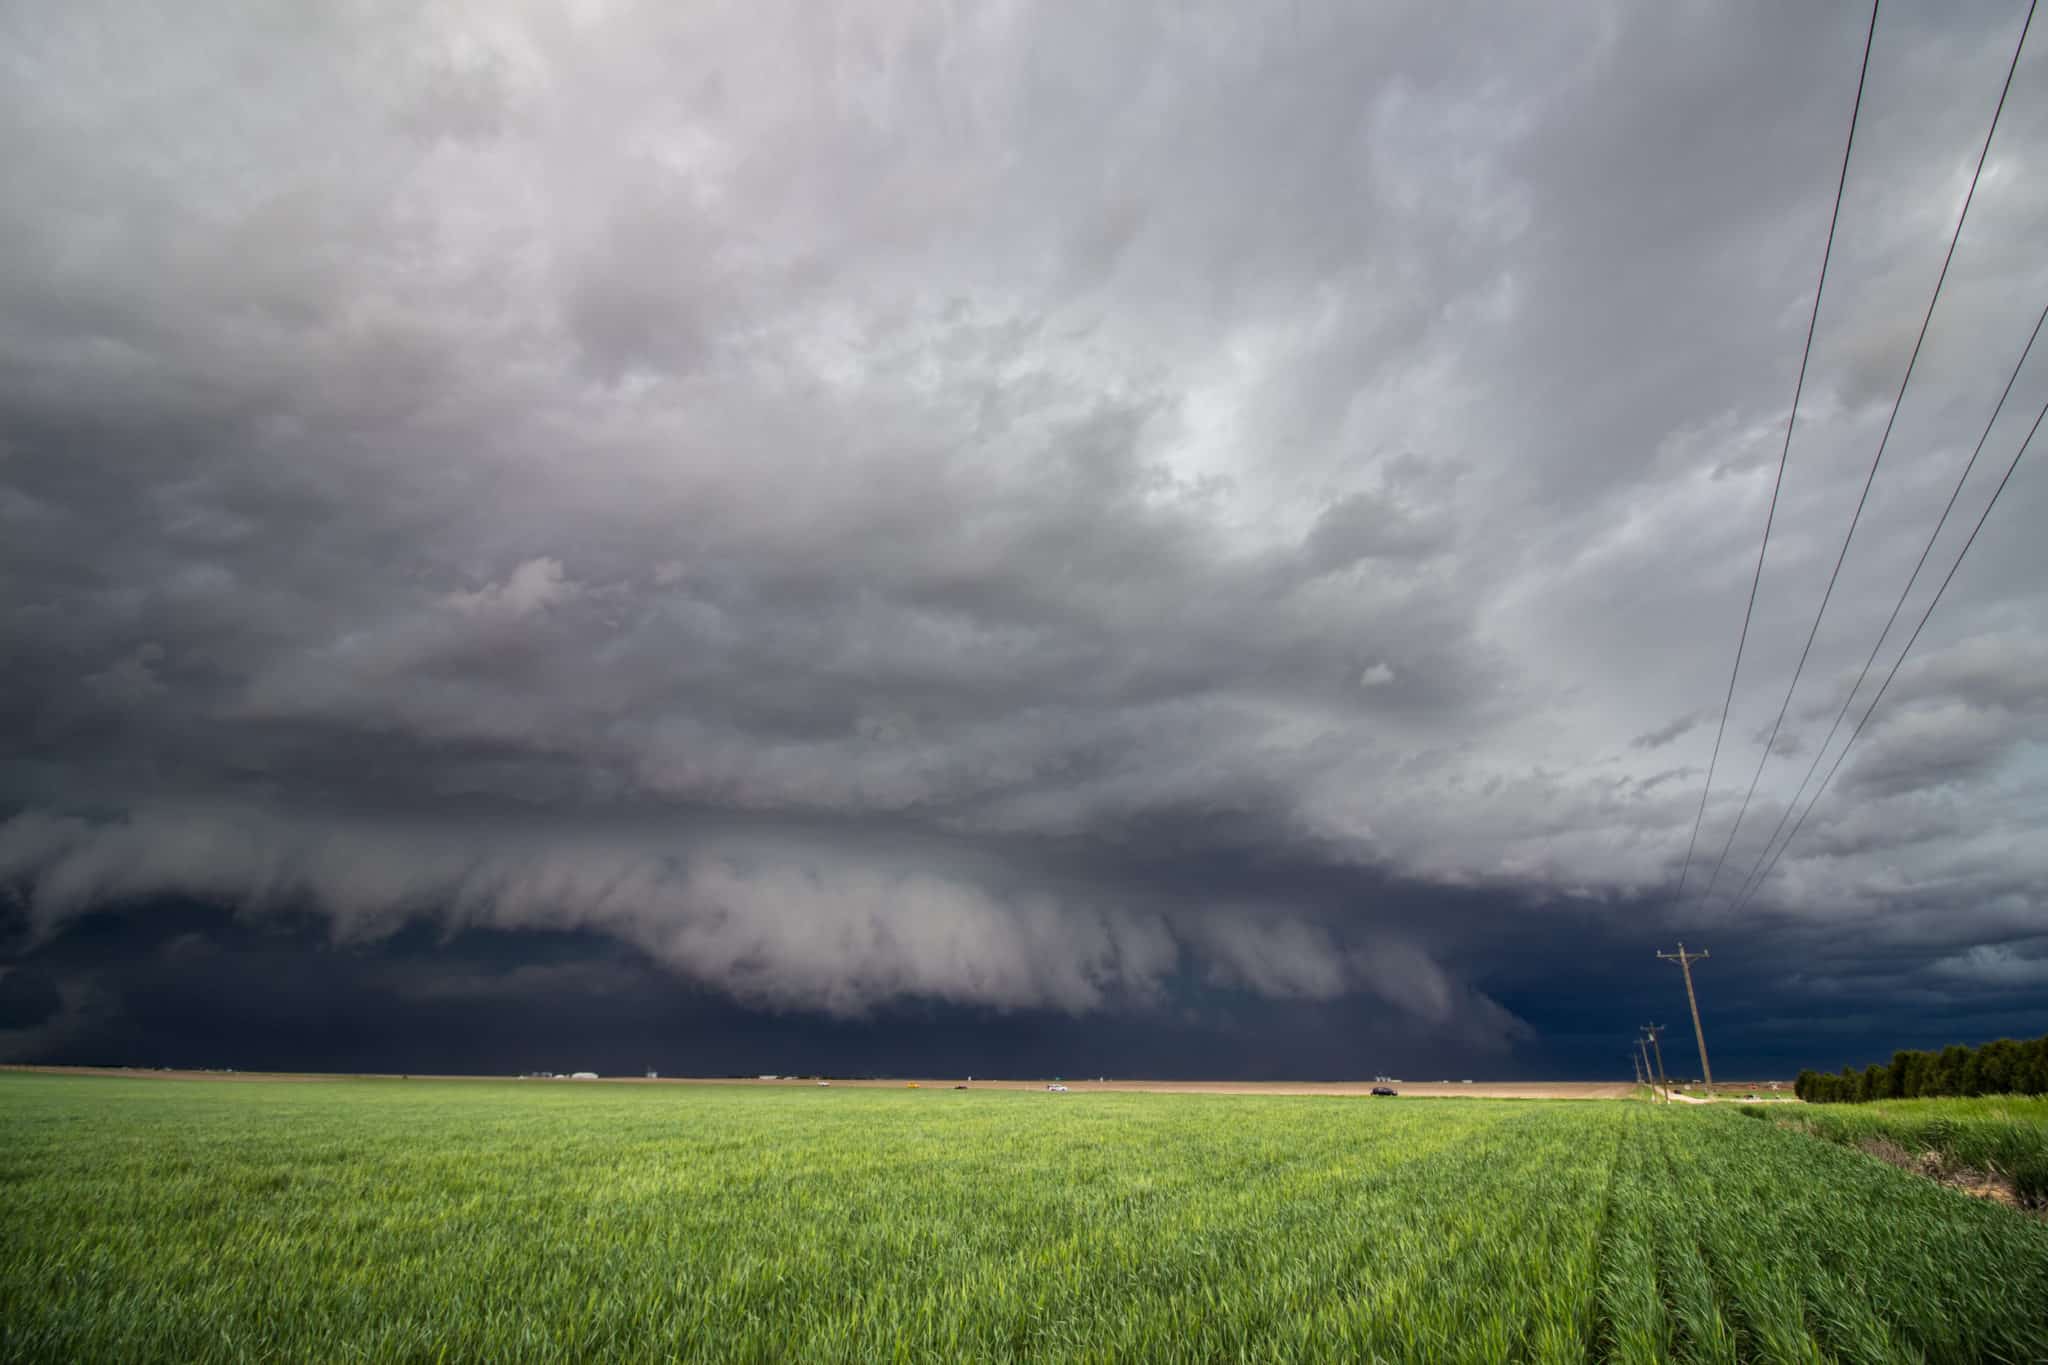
(358, 1220)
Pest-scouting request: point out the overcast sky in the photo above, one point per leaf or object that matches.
(1211, 537)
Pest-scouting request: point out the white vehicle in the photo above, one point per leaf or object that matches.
(1057, 1089)
(824, 1082)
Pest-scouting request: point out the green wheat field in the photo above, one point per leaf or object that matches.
(345, 1220)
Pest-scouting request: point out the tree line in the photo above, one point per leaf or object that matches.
(2005, 1067)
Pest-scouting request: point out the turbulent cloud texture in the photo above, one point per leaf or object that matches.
(864, 504)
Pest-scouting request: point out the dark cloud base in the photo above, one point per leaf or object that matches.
(183, 984)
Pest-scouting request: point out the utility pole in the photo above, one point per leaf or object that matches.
(1685, 961)
(1651, 1034)
(1636, 1062)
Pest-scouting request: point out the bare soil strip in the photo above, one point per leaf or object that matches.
(1933, 1166)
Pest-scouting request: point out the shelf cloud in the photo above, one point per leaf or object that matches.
(1013, 510)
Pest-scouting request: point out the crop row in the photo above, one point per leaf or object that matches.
(1771, 1246)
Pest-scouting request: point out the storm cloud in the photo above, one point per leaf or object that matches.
(1019, 509)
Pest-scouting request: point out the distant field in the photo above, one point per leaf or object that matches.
(1519, 1090)
(352, 1220)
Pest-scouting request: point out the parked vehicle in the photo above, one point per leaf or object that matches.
(1384, 1090)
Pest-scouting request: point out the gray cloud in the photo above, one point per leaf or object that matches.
(1664, 734)
(824, 502)
(1995, 966)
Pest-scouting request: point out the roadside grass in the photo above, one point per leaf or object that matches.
(150, 1220)
(2003, 1135)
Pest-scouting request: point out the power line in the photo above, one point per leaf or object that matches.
(1865, 720)
(1765, 757)
(1878, 645)
(1805, 354)
(1651, 1034)
(1685, 961)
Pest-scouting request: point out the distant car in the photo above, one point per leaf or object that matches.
(1384, 1090)
(959, 1087)
(824, 1082)
(1057, 1089)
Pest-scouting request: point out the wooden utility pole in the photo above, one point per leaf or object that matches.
(1685, 961)
(1651, 1034)
(1636, 1061)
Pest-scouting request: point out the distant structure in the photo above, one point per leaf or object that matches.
(583, 1076)
(652, 1074)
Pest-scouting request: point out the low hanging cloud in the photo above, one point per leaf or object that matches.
(771, 924)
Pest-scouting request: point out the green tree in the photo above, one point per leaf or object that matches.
(1948, 1070)
(2033, 1077)
(1996, 1072)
